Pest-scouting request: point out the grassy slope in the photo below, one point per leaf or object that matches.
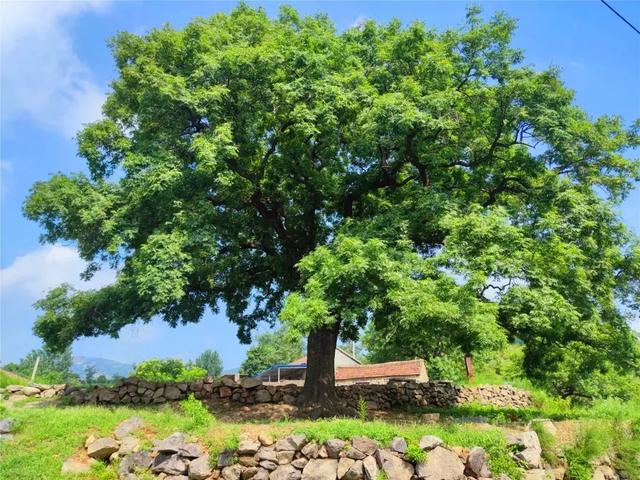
(45, 437)
(10, 378)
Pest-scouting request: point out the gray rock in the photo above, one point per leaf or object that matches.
(128, 445)
(334, 447)
(169, 463)
(320, 469)
(399, 445)
(441, 464)
(393, 466)
(261, 474)
(268, 465)
(102, 448)
(13, 388)
(234, 472)
(285, 456)
(355, 454)
(171, 444)
(250, 383)
(344, 464)
(265, 439)
(249, 473)
(176, 477)
(356, 472)
(30, 391)
(138, 461)
(310, 450)
(522, 440)
(285, 472)
(365, 445)
(248, 447)
(300, 463)
(225, 458)
(477, 463)
(370, 467)
(228, 382)
(190, 450)
(429, 442)
(127, 427)
(171, 392)
(297, 440)
(199, 468)
(6, 425)
(538, 474)
(263, 396)
(266, 454)
(530, 457)
(248, 461)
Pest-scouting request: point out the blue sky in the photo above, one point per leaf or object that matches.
(56, 69)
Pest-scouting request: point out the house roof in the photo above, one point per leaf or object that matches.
(403, 368)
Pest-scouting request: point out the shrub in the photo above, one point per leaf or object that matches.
(415, 454)
(168, 370)
(196, 412)
(362, 409)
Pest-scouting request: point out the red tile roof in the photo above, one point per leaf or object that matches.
(404, 368)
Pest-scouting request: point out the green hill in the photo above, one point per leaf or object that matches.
(10, 378)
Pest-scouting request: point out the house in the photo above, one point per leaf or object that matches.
(349, 370)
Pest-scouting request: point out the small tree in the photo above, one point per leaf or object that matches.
(269, 349)
(54, 367)
(168, 370)
(90, 372)
(210, 361)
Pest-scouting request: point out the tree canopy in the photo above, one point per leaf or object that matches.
(210, 361)
(423, 180)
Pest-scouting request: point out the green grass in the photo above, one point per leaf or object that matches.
(10, 378)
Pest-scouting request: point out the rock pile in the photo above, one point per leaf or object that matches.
(20, 392)
(296, 457)
(395, 394)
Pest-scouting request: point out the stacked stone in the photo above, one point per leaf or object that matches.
(395, 394)
(38, 390)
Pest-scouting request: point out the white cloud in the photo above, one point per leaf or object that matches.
(34, 274)
(43, 79)
(359, 21)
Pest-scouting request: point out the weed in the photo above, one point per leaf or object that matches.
(197, 413)
(362, 410)
(415, 454)
(547, 442)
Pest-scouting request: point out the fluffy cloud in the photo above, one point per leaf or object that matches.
(43, 79)
(34, 274)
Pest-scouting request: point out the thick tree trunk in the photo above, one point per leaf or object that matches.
(319, 389)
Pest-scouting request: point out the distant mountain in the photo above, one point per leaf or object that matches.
(104, 366)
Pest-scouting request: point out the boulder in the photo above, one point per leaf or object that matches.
(285, 456)
(266, 454)
(441, 464)
(102, 448)
(228, 382)
(344, 464)
(364, 445)
(248, 461)
(429, 442)
(370, 467)
(334, 447)
(249, 473)
(261, 474)
(538, 474)
(233, 472)
(285, 472)
(393, 466)
(138, 461)
(171, 392)
(171, 444)
(263, 396)
(398, 445)
(190, 450)
(169, 463)
(529, 450)
(129, 445)
(199, 468)
(356, 472)
(30, 391)
(225, 458)
(13, 388)
(292, 442)
(355, 454)
(127, 427)
(6, 425)
(320, 469)
(248, 447)
(250, 383)
(300, 463)
(265, 439)
(477, 465)
(310, 450)
(268, 465)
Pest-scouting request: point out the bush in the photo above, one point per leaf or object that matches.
(415, 454)
(196, 412)
(168, 370)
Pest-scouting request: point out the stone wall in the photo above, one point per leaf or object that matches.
(39, 390)
(395, 394)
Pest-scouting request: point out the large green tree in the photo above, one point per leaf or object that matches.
(211, 361)
(240, 146)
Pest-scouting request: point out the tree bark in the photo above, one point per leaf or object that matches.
(319, 389)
